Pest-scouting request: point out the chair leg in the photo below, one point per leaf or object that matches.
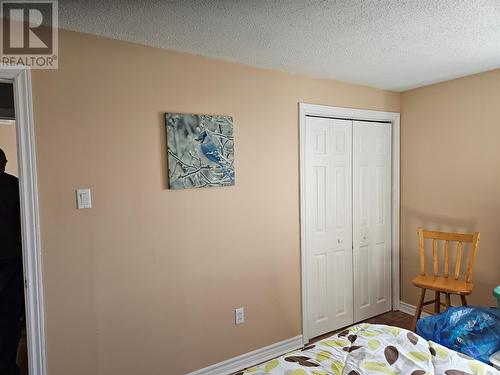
(448, 300)
(464, 301)
(418, 310)
(437, 303)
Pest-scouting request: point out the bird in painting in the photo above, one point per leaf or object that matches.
(211, 152)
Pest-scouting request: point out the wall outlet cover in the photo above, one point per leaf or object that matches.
(83, 198)
(239, 315)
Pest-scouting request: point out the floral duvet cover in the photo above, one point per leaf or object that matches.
(373, 349)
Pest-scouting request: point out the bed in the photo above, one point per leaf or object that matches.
(373, 349)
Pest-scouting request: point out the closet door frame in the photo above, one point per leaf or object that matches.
(305, 110)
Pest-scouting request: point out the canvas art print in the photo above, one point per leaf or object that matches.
(200, 150)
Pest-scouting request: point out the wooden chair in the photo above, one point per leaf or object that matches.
(445, 283)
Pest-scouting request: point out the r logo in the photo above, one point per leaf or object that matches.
(29, 29)
(22, 28)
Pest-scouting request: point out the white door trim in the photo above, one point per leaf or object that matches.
(352, 114)
(32, 262)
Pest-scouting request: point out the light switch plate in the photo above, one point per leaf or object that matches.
(83, 198)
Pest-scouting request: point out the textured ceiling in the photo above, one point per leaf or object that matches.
(387, 44)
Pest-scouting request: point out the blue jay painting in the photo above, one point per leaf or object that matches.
(200, 150)
(210, 151)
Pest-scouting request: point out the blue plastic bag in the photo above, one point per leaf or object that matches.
(474, 331)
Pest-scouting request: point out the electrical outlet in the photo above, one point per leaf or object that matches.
(239, 315)
(83, 198)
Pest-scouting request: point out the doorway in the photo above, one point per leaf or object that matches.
(13, 329)
(20, 78)
(349, 189)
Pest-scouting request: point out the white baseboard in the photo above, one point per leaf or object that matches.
(252, 358)
(409, 309)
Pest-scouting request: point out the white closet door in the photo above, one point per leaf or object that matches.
(328, 208)
(371, 218)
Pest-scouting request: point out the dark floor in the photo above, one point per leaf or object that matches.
(391, 318)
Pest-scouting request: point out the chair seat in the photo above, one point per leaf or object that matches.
(443, 284)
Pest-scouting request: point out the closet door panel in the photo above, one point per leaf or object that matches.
(371, 218)
(328, 178)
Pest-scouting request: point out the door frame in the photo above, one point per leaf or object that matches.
(306, 109)
(20, 76)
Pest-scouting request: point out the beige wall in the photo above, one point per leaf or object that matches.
(8, 144)
(146, 281)
(450, 172)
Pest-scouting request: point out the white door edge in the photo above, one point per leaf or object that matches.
(306, 109)
(20, 76)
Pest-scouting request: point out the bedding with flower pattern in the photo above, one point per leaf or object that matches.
(373, 349)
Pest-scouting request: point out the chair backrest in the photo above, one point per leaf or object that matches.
(447, 237)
